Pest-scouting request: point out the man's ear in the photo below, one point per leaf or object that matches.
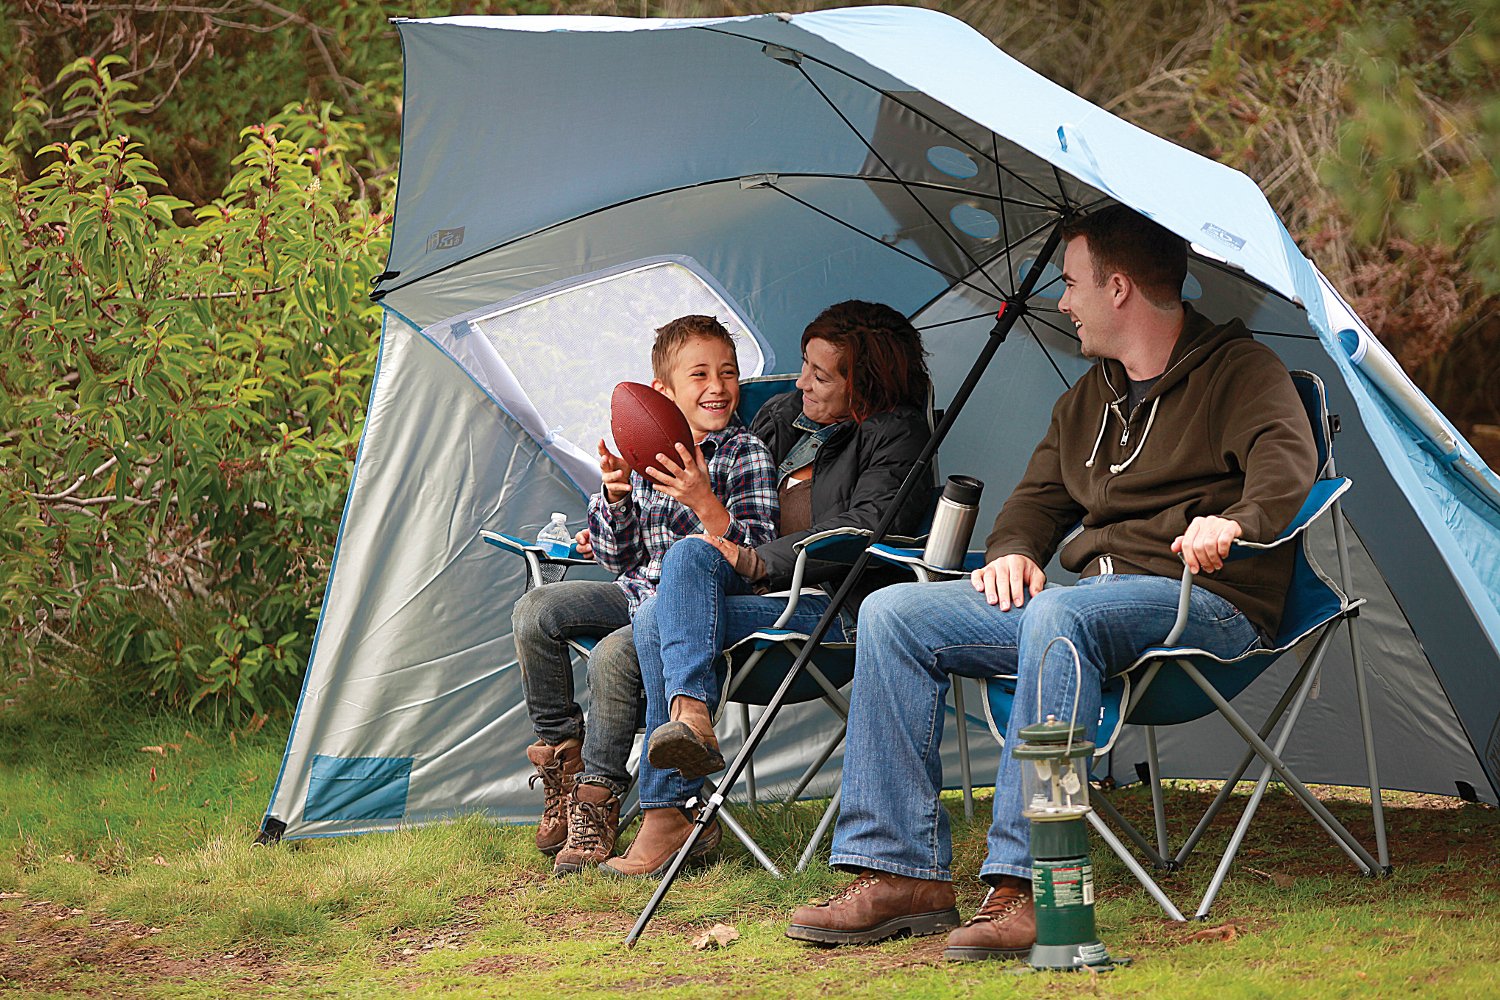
(1120, 288)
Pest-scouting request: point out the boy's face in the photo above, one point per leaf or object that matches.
(704, 382)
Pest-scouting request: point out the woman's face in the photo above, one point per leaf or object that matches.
(825, 393)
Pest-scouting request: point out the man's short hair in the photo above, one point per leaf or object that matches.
(1122, 240)
(671, 337)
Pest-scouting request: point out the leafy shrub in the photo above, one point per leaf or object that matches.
(181, 403)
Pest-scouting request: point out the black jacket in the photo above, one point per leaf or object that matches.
(855, 477)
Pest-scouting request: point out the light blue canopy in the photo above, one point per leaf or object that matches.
(884, 153)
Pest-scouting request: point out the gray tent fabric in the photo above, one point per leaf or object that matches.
(883, 153)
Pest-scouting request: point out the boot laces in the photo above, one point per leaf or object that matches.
(998, 904)
(587, 822)
(861, 882)
(554, 787)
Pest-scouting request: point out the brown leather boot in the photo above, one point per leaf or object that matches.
(662, 834)
(593, 821)
(1004, 927)
(875, 906)
(557, 768)
(687, 744)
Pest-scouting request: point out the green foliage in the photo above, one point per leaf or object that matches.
(1419, 159)
(183, 396)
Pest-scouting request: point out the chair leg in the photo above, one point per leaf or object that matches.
(1102, 804)
(816, 766)
(750, 767)
(1311, 664)
(1141, 875)
(744, 838)
(1377, 808)
(1307, 798)
(962, 720)
(823, 824)
(1158, 807)
(1302, 687)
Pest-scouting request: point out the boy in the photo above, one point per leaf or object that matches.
(725, 487)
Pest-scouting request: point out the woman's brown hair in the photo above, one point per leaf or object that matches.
(880, 353)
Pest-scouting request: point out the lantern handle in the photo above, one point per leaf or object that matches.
(1077, 686)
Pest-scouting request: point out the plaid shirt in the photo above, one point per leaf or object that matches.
(631, 537)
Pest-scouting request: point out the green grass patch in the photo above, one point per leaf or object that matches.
(117, 882)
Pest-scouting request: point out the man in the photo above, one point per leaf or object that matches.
(1183, 437)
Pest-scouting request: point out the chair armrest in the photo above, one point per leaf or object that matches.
(910, 556)
(543, 553)
(1320, 500)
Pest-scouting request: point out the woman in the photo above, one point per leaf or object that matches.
(843, 444)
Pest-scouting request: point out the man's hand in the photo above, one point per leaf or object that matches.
(1206, 542)
(584, 543)
(616, 475)
(1006, 580)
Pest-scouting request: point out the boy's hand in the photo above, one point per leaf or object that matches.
(687, 483)
(584, 543)
(616, 475)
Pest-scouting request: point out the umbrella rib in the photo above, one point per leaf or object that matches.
(952, 322)
(914, 110)
(953, 278)
(1010, 266)
(957, 243)
(1004, 251)
(1045, 353)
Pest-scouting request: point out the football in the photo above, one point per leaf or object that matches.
(645, 423)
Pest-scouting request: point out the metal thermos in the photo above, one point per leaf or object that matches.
(953, 523)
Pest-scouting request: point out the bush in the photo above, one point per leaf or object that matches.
(181, 403)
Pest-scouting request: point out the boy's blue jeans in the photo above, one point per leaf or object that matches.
(912, 636)
(701, 606)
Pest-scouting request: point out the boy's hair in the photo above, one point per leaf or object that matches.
(671, 337)
(1122, 240)
(880, 353)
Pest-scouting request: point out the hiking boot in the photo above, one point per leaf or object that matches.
(687, 744)
(876, 906)
(662, 834)
(593, 819)
(1004, 927)
(557, 768)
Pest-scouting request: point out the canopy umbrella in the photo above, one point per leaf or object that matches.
(886, 153)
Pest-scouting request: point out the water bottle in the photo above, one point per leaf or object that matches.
(953, 523)
(556, 541)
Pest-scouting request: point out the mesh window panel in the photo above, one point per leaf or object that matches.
(569, 347)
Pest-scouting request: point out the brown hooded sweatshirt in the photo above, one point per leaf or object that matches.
(1223, 432)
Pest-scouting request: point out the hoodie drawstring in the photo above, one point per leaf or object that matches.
(1103, 423)
(1150, 419)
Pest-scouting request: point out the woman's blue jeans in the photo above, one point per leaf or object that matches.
(701, 606)
(912, 636)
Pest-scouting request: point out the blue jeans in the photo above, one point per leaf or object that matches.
(912, 636)
(542, 621)
(701, 606)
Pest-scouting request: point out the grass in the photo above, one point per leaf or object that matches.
(120, 880)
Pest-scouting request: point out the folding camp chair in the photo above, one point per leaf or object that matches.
(1169, 685)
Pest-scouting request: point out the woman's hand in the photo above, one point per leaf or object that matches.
(729, 550)
(615, 473)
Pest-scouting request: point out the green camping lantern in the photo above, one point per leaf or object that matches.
(1054, 760)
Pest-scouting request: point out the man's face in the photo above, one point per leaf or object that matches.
(1087, 303)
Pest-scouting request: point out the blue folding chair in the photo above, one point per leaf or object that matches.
(1170, 685)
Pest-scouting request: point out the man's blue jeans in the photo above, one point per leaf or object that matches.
(912, 636)
(701, 606)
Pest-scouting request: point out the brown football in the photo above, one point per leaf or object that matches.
(645, 423)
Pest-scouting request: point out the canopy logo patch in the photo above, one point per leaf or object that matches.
(445, 239)
(1224, 236)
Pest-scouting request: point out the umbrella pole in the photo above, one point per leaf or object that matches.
(1010, 312)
